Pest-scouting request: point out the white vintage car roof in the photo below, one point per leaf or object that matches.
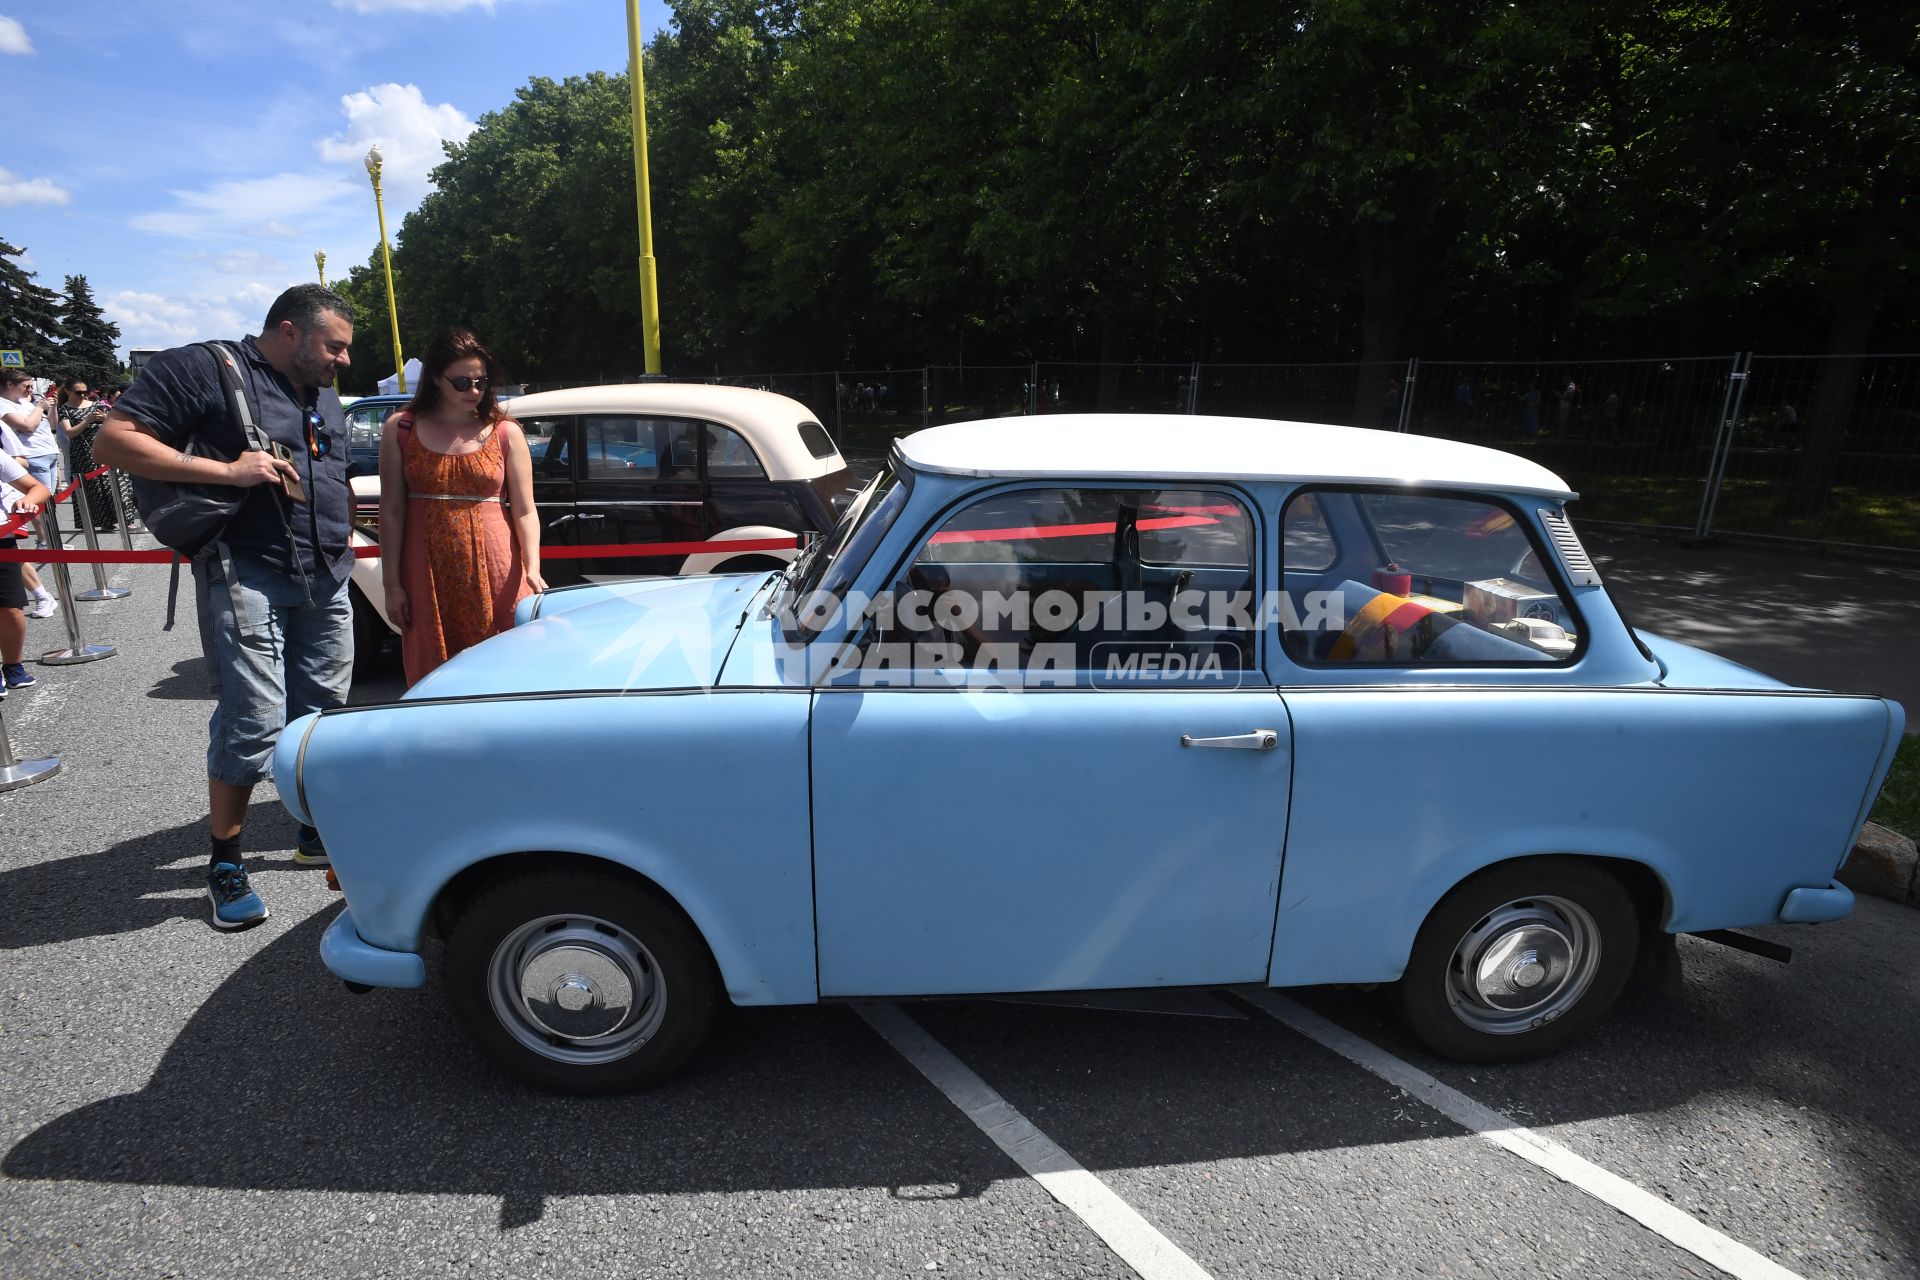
(1145, 446)
(767, 420)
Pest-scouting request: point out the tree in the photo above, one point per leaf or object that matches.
(29, 315)
(89, 349)
(1770, 178)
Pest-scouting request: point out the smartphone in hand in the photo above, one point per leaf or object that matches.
(295, 490)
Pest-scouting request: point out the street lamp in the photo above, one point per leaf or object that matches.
(649, 293)
(386, 261)
(320, 265)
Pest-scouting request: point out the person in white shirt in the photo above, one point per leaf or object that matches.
(20, 494)
(38, 426)
(19, 414)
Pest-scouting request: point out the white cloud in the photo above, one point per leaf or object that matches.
(15, 190)
(412, 6)
(252, 207)
(409, 131)
(13, 36)
(154, 320)
(242, 262)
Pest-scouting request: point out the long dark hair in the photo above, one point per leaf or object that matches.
(448, 346)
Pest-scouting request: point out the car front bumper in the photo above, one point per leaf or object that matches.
(347, 955)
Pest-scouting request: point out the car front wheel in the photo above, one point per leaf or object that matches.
(1519, 960)
(580, 982)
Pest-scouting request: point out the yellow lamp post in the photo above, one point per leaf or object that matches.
(320, 265)
(649, 293)
(386, 261)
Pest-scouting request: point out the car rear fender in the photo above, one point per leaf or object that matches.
(715, 560)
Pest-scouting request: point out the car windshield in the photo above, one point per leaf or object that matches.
(829, 565)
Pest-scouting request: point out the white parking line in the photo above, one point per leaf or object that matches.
(1674, 1225)
(1140, 1246)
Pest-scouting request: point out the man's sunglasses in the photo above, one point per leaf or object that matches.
(319, 443)
(467, 384)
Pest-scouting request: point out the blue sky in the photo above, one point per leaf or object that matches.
(188, 156)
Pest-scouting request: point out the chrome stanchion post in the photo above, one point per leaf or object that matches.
(77, 650)
(100, 590)
(120, 512)
(21, 773)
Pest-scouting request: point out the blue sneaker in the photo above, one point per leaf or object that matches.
(16, 676)
(235, 904)
(311, 851)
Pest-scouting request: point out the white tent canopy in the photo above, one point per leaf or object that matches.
(390, 384)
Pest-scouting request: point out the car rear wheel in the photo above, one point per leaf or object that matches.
(580, 982)
(1519, 960)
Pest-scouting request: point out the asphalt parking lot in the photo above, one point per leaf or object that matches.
(176, 1101)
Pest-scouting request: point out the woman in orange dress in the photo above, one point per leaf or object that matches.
(456, 499)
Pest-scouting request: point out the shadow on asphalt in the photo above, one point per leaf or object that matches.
(188, 682)
(44, 904)
(380, 1093)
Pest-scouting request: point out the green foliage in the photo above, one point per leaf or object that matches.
(1898, 808)
(29, 316)
(980, 181)
(89, 349)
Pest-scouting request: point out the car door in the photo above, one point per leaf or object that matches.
(553, 446)
(1073, 829)
(639, 483)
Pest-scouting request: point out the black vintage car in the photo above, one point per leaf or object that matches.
(659, 462)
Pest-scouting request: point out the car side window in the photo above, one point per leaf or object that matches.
(1105, 583)
(730, 457)
(363, 425)
(679, 449)
(619, 448)
(1309, 546)
(547, 446)
(1456, 582)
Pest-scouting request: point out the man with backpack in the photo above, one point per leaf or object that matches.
(271, 584)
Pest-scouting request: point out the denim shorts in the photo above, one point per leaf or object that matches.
(273, 656)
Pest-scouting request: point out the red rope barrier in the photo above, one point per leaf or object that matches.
(161, 555)
(20, 524)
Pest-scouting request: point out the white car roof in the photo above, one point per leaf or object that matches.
(768, 421)
(1145, 446)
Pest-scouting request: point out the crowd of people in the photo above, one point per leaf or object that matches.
(270, 590)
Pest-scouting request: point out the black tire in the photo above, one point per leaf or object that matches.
(370, 636)
(643, 977)
(749, 564)
(1520, 960)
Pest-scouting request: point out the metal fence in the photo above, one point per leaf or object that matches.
(1812, 449)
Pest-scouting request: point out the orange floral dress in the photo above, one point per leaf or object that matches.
(458, 563)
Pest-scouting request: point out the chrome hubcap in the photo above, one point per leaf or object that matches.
(576, 989)
(1523, 964)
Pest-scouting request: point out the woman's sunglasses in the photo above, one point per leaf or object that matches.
(319, 443)
(467, 384)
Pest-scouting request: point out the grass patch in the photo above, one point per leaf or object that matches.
(1898, 808)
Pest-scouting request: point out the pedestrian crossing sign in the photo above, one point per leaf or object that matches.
(11, 360)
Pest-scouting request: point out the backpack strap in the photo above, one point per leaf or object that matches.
(239, 405)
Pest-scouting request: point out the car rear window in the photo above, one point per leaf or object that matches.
(818, 442)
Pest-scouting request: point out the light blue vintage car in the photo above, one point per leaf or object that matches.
(1086, 702)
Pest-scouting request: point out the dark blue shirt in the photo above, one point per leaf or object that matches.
(178, 397)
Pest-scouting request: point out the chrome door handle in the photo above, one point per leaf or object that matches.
(557, 521)
(1258, 740)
